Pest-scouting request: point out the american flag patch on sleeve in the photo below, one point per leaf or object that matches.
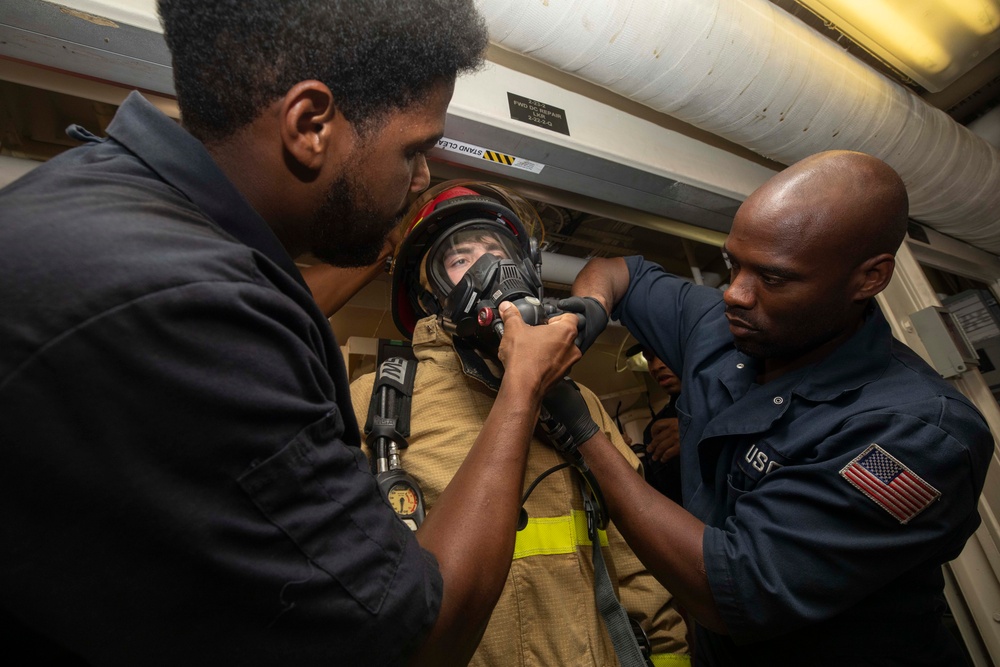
(896, 488)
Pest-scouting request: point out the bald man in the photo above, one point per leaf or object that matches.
(828, 471)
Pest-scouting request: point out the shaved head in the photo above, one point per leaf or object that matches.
(852, 203)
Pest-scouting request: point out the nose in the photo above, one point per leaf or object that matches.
(421, 175)
(654, 364)
(739, 294)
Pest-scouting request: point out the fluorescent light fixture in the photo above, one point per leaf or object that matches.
(931, 41)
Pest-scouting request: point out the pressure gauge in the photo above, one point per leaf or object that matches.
(403, 498)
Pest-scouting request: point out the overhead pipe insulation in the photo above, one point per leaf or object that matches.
(747, 71)
(987, 126)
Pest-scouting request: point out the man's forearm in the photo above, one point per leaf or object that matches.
(665, 537)
(603, 279)
(333, 286)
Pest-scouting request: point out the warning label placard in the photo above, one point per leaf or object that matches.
(491, 155)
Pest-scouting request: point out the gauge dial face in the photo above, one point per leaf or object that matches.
(403, 499)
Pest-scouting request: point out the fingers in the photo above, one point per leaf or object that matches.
(564, 321)
(509, 313)
(575, 308)
(572, 318)
(539, 355)
(592, 318)
(571, 305)
(664, 440)
(662, 452)
(664, 426)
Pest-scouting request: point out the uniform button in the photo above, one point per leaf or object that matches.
(778, 400)
(740, 365)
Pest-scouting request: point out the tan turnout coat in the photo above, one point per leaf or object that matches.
(546, 615)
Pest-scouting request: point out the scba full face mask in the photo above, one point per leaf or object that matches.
(466, 248)
(474, 268)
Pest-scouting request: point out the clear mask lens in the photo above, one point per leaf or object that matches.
(460, 250)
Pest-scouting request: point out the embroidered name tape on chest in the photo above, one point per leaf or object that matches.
(893, 486)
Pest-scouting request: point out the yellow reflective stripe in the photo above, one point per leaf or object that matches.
(670, 659)
(547, 536)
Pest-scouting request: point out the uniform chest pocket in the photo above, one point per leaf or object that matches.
(683, 418)
(735, 489)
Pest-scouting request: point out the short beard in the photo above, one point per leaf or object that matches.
(348, 231)
(754, 351)
(772, 350)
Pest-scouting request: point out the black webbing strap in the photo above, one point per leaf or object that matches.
(397, 375)
(615, 618)
(473, 365)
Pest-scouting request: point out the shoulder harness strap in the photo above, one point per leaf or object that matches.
(386, 430)
(397, 376)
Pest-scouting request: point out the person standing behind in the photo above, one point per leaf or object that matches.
(661, 437)
(182, 482)
(828, 471)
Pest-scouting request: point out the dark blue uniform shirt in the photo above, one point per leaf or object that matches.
(181, 482)
(814, 554)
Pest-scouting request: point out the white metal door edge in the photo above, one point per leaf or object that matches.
(977, 570)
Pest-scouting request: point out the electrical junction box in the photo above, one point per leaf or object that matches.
(950, 351)
(979, 315)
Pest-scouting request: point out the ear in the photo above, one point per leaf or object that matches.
(873, 275)
(313, 130)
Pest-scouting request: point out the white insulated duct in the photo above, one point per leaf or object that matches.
(987, 126)
(747, 71)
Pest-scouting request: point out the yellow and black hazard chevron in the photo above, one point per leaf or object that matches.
(502, 158)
